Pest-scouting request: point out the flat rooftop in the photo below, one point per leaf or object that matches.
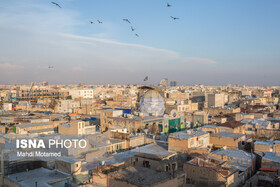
(233, 153)
(213, 163)
(227, 135)
(186, 134)
(32, 125)
(41, 175)
(272, 156)
(140, 176)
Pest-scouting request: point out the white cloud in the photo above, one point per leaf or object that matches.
(199, 61)
(38, 35)
(8, 66)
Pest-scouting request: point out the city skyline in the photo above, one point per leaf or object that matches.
(214, 43)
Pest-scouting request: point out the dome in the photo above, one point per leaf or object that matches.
(152, 103)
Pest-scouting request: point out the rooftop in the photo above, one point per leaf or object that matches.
(141, 176)
(233, 153)
(186, 134)
(227, 135)
(272, 156)
(42, 130)
(149, 150)
(264, 142)
(210, 126)
(68, 159)
(41, 175)
(260, 122)
(231, 124)
(213, 163)
(32, 125)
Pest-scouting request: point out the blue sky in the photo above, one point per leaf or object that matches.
(215, 42)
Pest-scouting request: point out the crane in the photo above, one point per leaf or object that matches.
(28, 97)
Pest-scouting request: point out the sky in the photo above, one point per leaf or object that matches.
(214, 42)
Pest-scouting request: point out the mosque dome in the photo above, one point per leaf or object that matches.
(152, 103)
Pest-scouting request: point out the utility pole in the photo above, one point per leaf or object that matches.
(252, 160)
(2, 168)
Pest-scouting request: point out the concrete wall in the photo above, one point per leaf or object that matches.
(220, 142)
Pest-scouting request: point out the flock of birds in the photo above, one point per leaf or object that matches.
(126, 20)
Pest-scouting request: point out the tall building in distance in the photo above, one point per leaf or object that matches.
(216, 100)
(164, 82)
(173, 83)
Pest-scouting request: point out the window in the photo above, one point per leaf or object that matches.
(146, 164)
(166, 168)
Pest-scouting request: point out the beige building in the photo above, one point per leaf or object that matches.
(267, 146)
(35, 128)
(127, 177)
(178, 96)
(76, 127)
(212, 129)
(232, 127)
(241, 116)
(239, 159)
(69, 165)
(216, 100)
(229, 140)
(210, 171)
(105, 114)
(185, 140)
(67, 106)
(221, 111)
(187, 106)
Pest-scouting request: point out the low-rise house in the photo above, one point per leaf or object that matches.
(229, 140)
(241, 116)
(210, 171)
(35, 128)
(68, 165)
(185, 140)
(267, 146)
(76, 127)
(237, 159)
(210, 129)
(37, 177)
(271, 160)
(151, 157)
(254, 126)
(232, 127)
(155, 157)
(140, 176)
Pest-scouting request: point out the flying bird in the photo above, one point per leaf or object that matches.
(91, 22)
(174, 17)
(51, 67)
(56, 4)
(168, 5)
(137, 35)
(99, 21)
(132, 29)
(126, 20)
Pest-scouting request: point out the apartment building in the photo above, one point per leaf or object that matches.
(216, 100)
